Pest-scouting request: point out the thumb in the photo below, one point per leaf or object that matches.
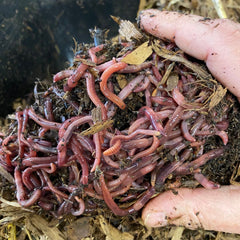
(214, 41)
(196, 208)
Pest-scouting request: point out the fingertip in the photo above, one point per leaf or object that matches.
(153, 218)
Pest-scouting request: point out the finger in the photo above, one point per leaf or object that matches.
(214, 41)
(199, 208)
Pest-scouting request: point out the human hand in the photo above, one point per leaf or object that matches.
(217, 43)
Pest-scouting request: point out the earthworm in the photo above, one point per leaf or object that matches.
(120, 191)
(188, 114)
(98, 152)
(43, 122)
(19, 116)
(86, 142)
(46, 168)
(116, 182)
(104, 66)
(66, 135)
(65, 125)
(173, 120)
(180, 100)
(110, 162)
(93, 95)
(174, 134)
(6, 141)
(26, 178)
(197, 125)
(186, 168)
(156, 73)
(113, 149)
(134, 134)
(223, 135)
(185, 131)
(129, 88)
(173, 142)
(151, 115)
(108, 199)
(62, 75)
(81, 207)
(90, 192)
(143, 85)
(116, 141)
(45, 205)
(48, 111)
(167, 169)
(41, 148)
(153, 79)
(222, 125)
(148, 97)
(136, 68)
(140, 203)
(205, 182)
(137, 143)
(75, 77)
(52, 188)
(163, 114)
(92, 52)
(165, 101)
(30, 161)
(148, 151)
(103, 84)
(21, 193)
(85, 170)
(178, 148)
(136, 124)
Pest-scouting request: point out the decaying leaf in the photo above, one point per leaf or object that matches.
(79, 229)
(111, 232)
(96, 114)
(139, 55)
(172, 81)
(217, 96)
(172, 56)
(99, 126)
(122, 81)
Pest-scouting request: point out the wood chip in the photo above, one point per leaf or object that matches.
(4, 173)
(111, 232)
(139, 55)
(128, 30)
(40, 229)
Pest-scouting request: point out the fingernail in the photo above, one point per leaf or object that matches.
(155, 219)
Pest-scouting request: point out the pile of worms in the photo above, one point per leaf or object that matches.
(68, 156)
